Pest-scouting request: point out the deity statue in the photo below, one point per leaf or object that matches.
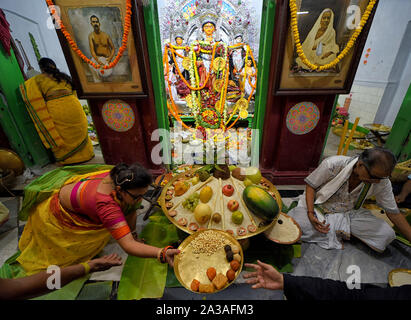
(215, 70)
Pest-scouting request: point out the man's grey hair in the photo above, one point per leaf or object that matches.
(379, 156)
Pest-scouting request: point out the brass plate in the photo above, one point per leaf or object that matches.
(218, 203)
(10, 160)
(186, 63)
(189, 265)
(377, 127)
(242, 104)
(391, 279)
(288, 232)
(243, 114)
(218, 64)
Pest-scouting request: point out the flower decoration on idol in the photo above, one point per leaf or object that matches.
(340, 115)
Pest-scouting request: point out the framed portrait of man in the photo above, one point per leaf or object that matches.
(97, 27)
(325, 27)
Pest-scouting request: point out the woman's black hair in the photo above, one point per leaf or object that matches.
(379, 156)
(48, 66)
(130, 177)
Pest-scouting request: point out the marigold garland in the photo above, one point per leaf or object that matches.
(76, 49)
(179, 71)
(195, 86)
(343, 53)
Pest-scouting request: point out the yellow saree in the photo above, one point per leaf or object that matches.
(52, 236)
(60, 121)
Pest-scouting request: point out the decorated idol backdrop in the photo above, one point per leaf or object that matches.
(210, 57)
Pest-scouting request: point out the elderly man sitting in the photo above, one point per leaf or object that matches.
(330, 209)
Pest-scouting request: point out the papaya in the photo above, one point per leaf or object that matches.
(260, 202)
(180, 188)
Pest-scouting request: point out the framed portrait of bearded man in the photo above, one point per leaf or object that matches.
(97, 28)
(324, 29)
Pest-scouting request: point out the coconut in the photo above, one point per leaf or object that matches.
(202, 213)
(253, 174)
(238, 173)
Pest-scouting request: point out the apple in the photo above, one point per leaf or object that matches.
(233, 205)
(228, 190)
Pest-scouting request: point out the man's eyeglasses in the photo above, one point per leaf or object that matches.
(135, 197)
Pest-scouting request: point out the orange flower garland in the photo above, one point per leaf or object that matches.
(76, 49)
(182, 77)
(173, 111)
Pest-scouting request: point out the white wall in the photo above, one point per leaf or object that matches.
(384, 39)
(31, 16)
(376, 94)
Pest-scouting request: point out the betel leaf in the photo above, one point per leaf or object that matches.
(146, 278)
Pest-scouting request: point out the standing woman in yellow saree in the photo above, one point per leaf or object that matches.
(57, 114)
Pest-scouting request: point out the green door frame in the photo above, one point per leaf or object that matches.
(151, 23)
(152, 27)
(14, 118)
(399, 140)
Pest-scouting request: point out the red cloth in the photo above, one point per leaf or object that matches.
(5, 35)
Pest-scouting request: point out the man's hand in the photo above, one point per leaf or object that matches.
(265, 276)
(105, 263)
(320, 227)
(400, 198)
(398, 219)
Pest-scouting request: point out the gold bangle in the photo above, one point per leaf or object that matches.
(86, 267)
(159, 255)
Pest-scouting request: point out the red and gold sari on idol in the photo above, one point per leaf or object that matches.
(59, 118)
(55, 236)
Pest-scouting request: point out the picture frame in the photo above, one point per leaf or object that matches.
(340, 19)
(80, 18)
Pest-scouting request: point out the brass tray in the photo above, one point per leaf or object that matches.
(189, 264)
(377, 127)
(11, 160)
(220, 205)
(391, 279)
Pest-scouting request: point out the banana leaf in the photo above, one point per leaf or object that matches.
(146, 278)
(96, 291)
(142, 278)
(172, 281)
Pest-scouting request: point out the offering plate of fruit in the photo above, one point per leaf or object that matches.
(209, 261)
(235, 200)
